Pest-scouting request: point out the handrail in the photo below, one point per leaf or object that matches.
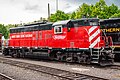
(111, 41)
(103, 39)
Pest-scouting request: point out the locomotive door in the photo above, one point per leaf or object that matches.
(35, 37)
(70, 31)
(40, 39)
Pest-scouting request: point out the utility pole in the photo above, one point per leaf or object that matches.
(48, 12)
(56, 5)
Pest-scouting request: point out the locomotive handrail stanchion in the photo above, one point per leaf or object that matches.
(111, 43)
(106, 39)
(98, 50)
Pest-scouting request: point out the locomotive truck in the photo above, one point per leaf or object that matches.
(79, 40)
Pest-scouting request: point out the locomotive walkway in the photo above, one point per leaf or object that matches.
(62, 74)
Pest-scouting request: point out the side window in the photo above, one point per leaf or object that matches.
(58, 29)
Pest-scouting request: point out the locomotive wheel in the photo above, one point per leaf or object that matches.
(69, 59)
(79, 59)
(5, 52)
(15, 54)
(21, 53)
(83, 58)
(88, 61)
(61, 57)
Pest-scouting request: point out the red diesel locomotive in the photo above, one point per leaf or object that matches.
(79, 41)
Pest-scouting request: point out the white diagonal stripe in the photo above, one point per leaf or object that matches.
(94, 43)
(91, 29)
(94, 35)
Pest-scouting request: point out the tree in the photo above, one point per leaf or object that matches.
(92, 11)
(116, 15)
(4, 31)
(11, 26)
(113, 10)
(99, 10)
(72, 16)
(83, 11)
(59, 15)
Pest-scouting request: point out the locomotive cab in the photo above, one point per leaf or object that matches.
(58, 26)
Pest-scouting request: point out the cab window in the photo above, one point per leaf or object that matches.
(58, 29)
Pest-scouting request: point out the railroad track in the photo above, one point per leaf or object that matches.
(117, 67)
(5, 77)
(62, 74)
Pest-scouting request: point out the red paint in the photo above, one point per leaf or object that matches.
(75, 38)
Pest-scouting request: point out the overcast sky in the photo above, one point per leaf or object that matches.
(16, 11)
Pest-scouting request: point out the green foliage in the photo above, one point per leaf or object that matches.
(82, 11)
(116, 15)
(11, 26)
(99, 10)
(59, 15)
(4, 31)
(73, 16)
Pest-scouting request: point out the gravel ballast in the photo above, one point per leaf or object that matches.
(88, 70)
(23, 74)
